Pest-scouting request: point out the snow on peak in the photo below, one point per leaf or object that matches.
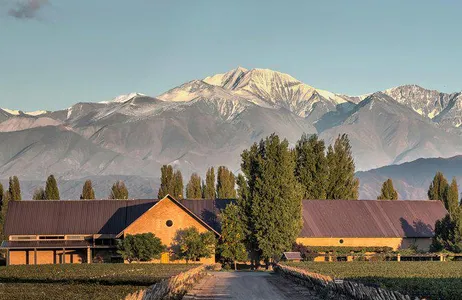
(12, 111)
(36, 113)
(123, 98)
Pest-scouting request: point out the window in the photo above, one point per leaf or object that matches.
(27, 237)
(169, 223)
(341, 241)
(51, 237)
(76, 237)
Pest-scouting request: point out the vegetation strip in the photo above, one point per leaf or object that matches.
(430, 280)
(94, 281)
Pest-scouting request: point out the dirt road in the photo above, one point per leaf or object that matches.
(248, 286)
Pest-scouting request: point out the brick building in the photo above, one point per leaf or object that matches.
(52, 232)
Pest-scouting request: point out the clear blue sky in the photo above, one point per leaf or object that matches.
(69, 51)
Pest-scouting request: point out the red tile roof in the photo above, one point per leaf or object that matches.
(370, 218)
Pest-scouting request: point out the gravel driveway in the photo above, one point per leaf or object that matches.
(248, 286)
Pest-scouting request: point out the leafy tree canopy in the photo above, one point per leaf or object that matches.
(140, 247)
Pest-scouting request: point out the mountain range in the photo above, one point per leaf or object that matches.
(209, 122)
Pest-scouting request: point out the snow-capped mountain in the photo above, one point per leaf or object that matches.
(210, 121)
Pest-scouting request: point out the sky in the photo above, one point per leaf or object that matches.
(55, 53)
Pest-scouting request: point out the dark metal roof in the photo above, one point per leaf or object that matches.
(371, 218)
(73, 216)
(207, 209)
(45, 244)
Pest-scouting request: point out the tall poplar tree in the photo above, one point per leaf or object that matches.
(193, 188)
(4, 198)
(342, 183)
(51, 188)
(14, 189)
(311, 167)
(437, 188)
(119, 191)
(166, 181)
(273, 195)
(209, 188)
(232, 244)
(451, 199)
(87, 191)
(178, 187)
(226, 183)
(388, 191)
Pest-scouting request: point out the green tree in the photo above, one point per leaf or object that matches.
(119, 191)
(140, 247)
(14, 189)
(166, 181)
(51, 188)
(87, 191)
(342, 183)
(39, 194)
(311, 167)
(437, 188)
(448, 234)
(178, 187)
(388, 191)
(272, 197)
(193, 188)
(232, 244)
(191, 245)
(209, 188)
(451, 197)
(4, 198)
(226, 183)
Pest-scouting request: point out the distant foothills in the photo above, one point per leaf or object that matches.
(210, 121)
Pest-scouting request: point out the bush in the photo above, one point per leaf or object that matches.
(140, 247)
(191, 245)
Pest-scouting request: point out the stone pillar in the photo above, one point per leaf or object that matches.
(64, 256)
(35, 256)
(398, 257)
(88, 255)
(7, 257)
(441, 257)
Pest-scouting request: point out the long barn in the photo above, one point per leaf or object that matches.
(82, 231)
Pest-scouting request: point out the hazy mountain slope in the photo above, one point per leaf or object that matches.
(21, 123)
(37, 152)
(411, 179)
(383, 132)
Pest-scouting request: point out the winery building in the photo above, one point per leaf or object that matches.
(85, 231)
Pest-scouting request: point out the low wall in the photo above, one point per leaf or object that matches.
(172, 288)
(329, 285)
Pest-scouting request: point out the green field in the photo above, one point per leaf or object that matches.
(434, 280)
(94, 281)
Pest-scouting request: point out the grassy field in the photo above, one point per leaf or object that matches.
(94, 281)
(434, 280)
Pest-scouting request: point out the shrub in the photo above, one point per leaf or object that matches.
(140, 247)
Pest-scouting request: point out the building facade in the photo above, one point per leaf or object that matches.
(85, 231)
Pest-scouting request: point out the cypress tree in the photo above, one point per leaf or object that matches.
(14, 189)
(39, 194)
(2, 204)
(6, 197)
(226, 183)
(437, 188)
(311, 167)
(178, 187)
(209, 189)
(388, 191)
(451, 199)
(51, 188)
(342, 183)
(273, 195)
(166, 181)
(87, 191)
(119, 191)
(193, 188)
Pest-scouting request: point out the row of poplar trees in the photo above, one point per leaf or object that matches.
(196, 188)
(266, 219)
(448, 231)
